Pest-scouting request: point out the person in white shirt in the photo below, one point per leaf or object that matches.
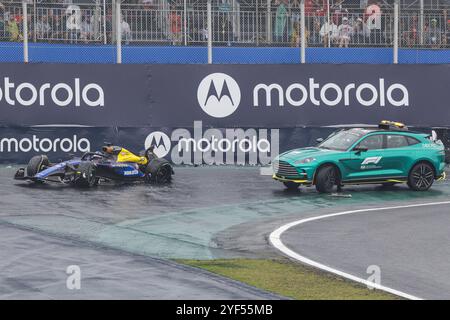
(43, 28)
(345, 31)
(73, 22)
(86, 29)
(126, 31)
(361, 33)
(329, 32)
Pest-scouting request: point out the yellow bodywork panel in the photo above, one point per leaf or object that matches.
(291, 180)
(127, 156)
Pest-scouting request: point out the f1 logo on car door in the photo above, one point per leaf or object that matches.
(367, 164)
(370, 162)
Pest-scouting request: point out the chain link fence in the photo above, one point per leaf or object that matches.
(89, 30)
(11, 35)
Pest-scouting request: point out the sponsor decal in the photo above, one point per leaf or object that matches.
(45, 145)
(160, 141)
(219, 95)
(372, 160)
(131, 173)
(75, 94)
(437, 145)
(371, 163)
(330, 94)
(219, 146)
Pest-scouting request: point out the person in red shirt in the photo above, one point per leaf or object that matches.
(321, 10)
(175, 26)
(309, 8)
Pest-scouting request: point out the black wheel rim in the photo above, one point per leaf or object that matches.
(331, 179)
(163, 174)
(423, 177)
(92, 177)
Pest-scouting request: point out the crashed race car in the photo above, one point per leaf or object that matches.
(111, 164)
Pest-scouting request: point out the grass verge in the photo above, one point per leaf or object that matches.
(289, 279)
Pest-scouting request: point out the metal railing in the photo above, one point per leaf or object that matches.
(420, 24)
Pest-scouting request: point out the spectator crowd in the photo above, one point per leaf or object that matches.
(328, 23)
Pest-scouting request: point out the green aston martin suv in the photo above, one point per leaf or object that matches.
(388, 154)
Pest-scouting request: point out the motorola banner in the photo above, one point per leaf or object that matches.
(64, 94)
(300, 95)
(223, 96)
(192, 145)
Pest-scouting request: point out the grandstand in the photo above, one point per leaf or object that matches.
(254, 31)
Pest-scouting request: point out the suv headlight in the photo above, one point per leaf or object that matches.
(305, 161)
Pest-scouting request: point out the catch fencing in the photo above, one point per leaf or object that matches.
(296, 24)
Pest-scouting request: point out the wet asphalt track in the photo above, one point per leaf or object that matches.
(409, 245)
(33, 266)
(206, 213)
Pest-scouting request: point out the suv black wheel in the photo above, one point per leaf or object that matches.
(421, 177)
(326, 179)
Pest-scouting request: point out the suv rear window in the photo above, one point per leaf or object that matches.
(374, 142)
(412, 141)
(396, 141)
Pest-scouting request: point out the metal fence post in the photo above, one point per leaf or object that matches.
(396, 31)
(34, 20)
(185, 21)
(119, 32)
(105, 37)
(209, 17)
(25, 31)
(269, 22)
(303, 32)
(422, 22)
(113, 20)
(327, 25)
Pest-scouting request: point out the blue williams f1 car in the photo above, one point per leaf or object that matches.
(111, 164)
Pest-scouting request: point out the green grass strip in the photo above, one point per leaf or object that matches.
(289, 279)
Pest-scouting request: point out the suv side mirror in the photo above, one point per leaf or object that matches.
(319, 140)
(360, 149)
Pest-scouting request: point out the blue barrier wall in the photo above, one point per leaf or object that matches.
(66, 53)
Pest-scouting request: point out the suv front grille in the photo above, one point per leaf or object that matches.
(284, 169)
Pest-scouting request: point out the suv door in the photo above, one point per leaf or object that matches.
(398, 154)
(366, 165)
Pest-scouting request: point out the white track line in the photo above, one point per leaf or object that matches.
(275, 239)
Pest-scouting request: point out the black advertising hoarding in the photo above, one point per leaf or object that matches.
(300, 95)
(74, 94)
(263, 96)
(207, 114)
(183, 146)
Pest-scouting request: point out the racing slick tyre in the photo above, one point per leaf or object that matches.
(421, 177)
(36, 165)
(159, 171)
(326, 179)
(86, 175)
(291, 186)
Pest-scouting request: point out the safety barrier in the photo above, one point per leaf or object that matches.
(233, 114)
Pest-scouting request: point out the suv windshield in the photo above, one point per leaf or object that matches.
(343, 140)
